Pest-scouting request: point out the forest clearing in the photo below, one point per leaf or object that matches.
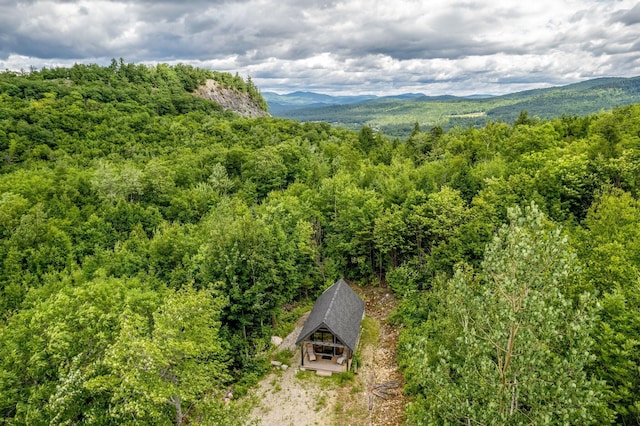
(294, 397)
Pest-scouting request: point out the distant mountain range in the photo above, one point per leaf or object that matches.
(282, 105)
(396, 115)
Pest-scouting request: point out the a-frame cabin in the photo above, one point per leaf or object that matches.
(331, 333)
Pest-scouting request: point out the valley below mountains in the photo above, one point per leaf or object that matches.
(397, 115)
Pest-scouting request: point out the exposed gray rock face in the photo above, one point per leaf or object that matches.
(229, 99)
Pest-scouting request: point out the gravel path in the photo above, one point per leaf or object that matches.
(285, 399)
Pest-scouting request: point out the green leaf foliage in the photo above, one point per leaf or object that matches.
(505, 345)
(150, 243)
(175, 359)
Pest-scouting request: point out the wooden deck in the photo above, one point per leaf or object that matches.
(325, 364)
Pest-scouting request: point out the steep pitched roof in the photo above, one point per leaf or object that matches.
(340, 310)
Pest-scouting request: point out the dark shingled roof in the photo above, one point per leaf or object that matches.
(340, 310)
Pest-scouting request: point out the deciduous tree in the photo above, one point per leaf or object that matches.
(174, 359)
(504, 345)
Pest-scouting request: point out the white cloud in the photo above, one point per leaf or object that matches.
(353, 46)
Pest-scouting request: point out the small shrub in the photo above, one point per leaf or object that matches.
(407, 278)
(284, 356)
(286, 320)
(257, 370)
(344, 378)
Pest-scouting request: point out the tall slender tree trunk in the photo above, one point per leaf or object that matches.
(176, 402)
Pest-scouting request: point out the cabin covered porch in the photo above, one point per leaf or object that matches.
(323, 351)
(332, 330)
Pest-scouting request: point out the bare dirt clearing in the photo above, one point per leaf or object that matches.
(293, 397)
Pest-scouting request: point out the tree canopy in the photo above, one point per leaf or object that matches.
(150, 242)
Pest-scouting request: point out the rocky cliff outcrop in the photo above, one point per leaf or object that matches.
(229, 99)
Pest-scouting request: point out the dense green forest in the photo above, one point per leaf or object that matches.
(396, 115)
(149, 243)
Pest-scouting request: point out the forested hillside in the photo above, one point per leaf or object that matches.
(396, 115)
(150, 242)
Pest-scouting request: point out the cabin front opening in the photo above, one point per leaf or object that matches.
(324, 351)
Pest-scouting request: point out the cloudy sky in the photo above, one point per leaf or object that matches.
(339, 47)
